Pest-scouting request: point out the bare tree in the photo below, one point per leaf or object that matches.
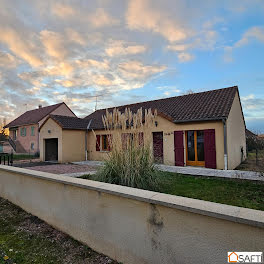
(3, 133)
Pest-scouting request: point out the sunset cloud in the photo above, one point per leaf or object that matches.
(142, 16)
(120, 48)
(123, 50)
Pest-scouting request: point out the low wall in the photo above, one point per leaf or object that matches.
(135, 226)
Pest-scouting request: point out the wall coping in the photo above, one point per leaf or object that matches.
(226, 212)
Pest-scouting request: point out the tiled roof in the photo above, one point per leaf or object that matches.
(250, 134)
(69, 122)
(33, 116)
(204, 106)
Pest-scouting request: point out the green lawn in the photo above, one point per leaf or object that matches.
(26, 239)
(236, 192)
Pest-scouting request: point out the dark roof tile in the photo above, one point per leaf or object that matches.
(210, 105)
(33, 116)
(69, 122)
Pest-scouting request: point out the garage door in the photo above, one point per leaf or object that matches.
(51, 149)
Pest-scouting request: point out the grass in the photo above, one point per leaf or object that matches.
(243, 193)
(250, 163)
(26, 239)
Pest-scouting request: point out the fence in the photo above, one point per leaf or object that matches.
(135, 226)
(6, 159)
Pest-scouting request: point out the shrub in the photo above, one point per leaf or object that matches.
(130, 161)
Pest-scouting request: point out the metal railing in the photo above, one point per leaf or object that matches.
(12, 143)
(6, 159)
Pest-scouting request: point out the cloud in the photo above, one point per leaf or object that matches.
(253, 106)
(23, 47)
(7, 60)
(169, 90)
(143, 17)
(63, 10)
(120, 48)
(136, 70)
(251, 34)
(54, 44)
(101, 18)
(185, 57)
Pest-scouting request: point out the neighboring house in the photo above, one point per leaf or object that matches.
(204, 129)
(24, 130)
(261, 136)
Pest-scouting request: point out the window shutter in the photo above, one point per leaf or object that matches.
(110, 138)
(25, 131)
(141, 139)
(209, 149)
(97, 142)
(21, 131)
(178, 148)
(124, 140)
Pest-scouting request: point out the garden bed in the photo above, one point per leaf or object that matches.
(243, 193)
(27, 239)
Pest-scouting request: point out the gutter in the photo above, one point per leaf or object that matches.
(225, 144)
(86, 134)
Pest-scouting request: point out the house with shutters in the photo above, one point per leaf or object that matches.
(24, 130)
(205, 129)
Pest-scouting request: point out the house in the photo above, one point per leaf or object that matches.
(204, 129)
(233, 257)
(24, 130)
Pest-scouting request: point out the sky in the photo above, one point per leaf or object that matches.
(127, 51)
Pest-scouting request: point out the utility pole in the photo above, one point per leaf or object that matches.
(95, 103)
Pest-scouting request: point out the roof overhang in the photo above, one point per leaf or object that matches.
(198, 120)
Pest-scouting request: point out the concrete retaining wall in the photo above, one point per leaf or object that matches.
(135, 226)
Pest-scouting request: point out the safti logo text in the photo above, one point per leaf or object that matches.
(245, 257)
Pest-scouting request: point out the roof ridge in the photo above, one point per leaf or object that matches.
(44, 107)
(67, 116)
(161, 99)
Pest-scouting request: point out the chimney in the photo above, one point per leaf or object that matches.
(40, 106)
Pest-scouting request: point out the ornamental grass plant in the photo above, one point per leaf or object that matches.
(130, 160)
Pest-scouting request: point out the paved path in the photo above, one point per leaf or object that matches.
(234, 174)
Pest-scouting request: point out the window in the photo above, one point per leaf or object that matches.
(103, 142)
(32, 131)
(14, 134)
(129, 138)
(23, 131)
(32, 146)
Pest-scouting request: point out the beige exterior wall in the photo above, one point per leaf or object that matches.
(73, 145)
(55, 132)
(168, 129)
(61, 110)
(135, 226)
(236, 135)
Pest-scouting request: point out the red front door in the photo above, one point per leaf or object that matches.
(158, 147)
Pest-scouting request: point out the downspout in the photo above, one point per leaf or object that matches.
(86, 134)
(225, 144)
